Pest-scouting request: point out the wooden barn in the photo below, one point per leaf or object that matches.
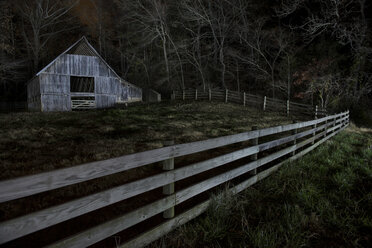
(78, 79)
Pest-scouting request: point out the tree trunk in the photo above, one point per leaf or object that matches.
(223, 71)
(166, 59)
(273, 82)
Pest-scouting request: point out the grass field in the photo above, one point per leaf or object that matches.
(321, 200)
(35, 142)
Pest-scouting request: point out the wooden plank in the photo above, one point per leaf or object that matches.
(29, 185)
(82, 94)
(16, 228)
(307, 150)
(301, 105)
(24, 225)
(107, 229)
(100, 232)
(229, 175)
(275, 100)
(84, 238)
(164, 228)
(159, 231)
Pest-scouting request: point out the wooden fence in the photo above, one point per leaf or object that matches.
(13, 106)
(83, 104)
(261, 102)
(294, 141)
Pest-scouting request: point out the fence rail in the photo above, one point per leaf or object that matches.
(13, 106)
(265, 103)
(302, 138)
(83, 104)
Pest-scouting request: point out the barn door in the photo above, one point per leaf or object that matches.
(82, 92)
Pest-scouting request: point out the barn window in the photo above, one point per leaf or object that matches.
(81, 84)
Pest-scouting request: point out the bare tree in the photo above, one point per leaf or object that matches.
(42, 21)
(152, 19)
(264, 49)
(217, 20)
(346, 22)
(10, 65)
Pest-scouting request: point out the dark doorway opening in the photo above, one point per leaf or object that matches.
(81, 84)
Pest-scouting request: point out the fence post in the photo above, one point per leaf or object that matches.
(287, 107)
(344, 121)
(168, 189)
(295, 140)
(183, 95)
(173, 97)
(314, 133)
(210, 94)
(346, 118)
(244, 99)
(264, 104)
(254, 156)
(226, 93)
(196, 94)
(325, 129)
(334, 124)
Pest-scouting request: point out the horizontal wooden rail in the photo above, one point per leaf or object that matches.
(181, 196)
(29, 185)
(243, 98)
(24, 225)
(39, 220)
(164, 228)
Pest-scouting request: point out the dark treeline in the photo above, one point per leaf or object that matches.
(319, 51)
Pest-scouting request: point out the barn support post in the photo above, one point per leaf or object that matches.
(316, 111)
(287, 107)
(254, 143)
(226, 95)
(209, 94)
(196, 94)
(294, 132)
(264, 103)
(168, 189)
(244, 99)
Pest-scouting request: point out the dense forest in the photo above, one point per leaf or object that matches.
(316, 51)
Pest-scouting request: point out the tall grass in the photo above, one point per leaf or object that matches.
(321, 200)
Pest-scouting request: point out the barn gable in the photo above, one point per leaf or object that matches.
(83, 48)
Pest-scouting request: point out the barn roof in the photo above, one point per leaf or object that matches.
(82, 47)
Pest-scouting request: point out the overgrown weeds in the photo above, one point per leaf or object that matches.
(321, 200)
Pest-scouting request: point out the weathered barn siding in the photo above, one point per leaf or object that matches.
(55, 92)
(150, 95)
(33, 95)
(107, 85)
(80, 65)
(52, 84)
(108, 91)
(134, 93)
(52, 102)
